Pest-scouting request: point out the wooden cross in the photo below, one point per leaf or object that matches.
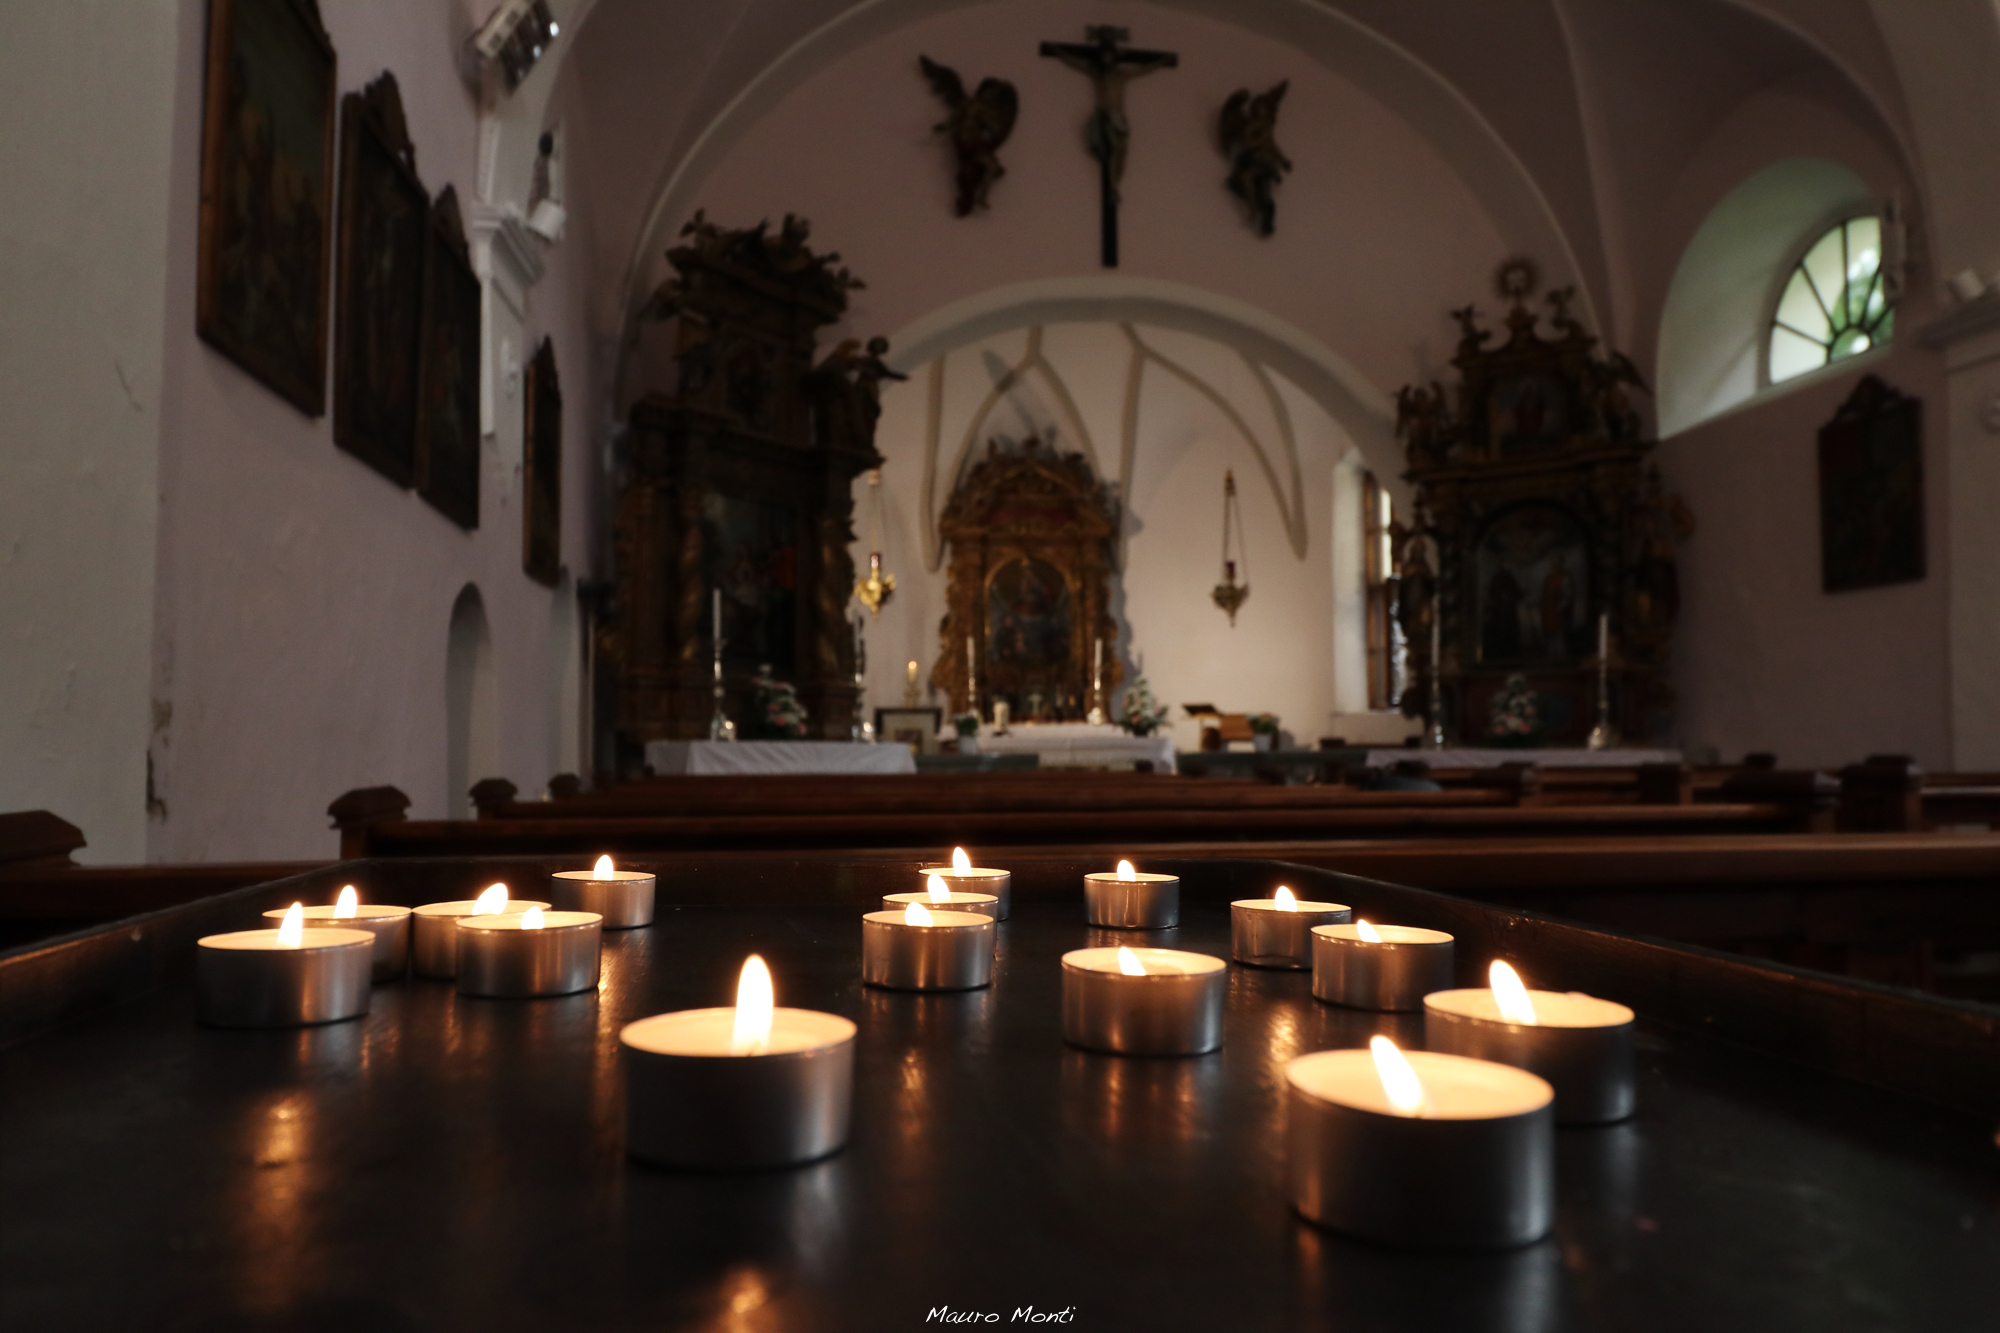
(1109, 67)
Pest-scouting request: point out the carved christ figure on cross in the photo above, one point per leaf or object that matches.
(1109, 67)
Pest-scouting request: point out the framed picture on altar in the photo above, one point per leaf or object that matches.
(914, 727)
(267, 194)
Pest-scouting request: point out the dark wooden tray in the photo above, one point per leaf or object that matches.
(448, 1163)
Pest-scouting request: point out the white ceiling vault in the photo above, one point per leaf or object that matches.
(1576, 124)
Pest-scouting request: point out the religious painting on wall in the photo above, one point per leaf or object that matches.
(1028, 622)
(750, 551)
(384, 219)
(448, 370)
(1871, 490)
(1533, 571)
(266, 194)
(542, 483)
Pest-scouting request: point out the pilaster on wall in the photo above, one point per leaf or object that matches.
(508, 259)
(1970, 340)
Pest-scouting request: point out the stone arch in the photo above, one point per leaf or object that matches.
(472, 702)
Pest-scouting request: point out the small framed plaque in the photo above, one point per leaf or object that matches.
(914, 727)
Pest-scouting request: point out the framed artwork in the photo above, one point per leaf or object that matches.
(384, 223)
(914, 727)
(1528, 412)
(447, 458)
(750, 550)
(1871, 490)
(266, 194)
(1028, 620)
(1533, 569)
(541, 551)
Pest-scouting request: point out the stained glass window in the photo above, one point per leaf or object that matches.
(1834, 305)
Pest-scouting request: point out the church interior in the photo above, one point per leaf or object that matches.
(1382, 608)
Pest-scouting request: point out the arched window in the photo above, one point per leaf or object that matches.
(1834, 305)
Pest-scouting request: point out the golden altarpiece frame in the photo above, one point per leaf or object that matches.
(1032, 533)
(1538, 511)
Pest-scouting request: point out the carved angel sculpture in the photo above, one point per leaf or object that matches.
(1250, 137)
(978, 125)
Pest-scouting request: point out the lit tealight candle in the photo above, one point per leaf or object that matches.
(921, 949)
(1143, 1001)
(1391, 968)
(1126, 899)
(1581, 1045)
(965, 877)
(1420, 1149)
(389, 925)
(529, 954)
(741, 1088)
(434, 928)
(624, 898)
(939, 897)
(285, 977)
(1277, 931)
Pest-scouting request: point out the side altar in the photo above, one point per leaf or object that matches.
(734, 510)
(1540, 568)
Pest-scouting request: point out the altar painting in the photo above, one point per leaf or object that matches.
(1028, 621)
(750, 552)
(1533, 570)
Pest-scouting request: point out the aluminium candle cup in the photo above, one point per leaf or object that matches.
(625, 900)
(1391, 975)
(1145, 902)
(434, 934)
(389, 925)
(500, 959)
(953, 952)
(689, 1103)
(245, 979)
(1580, 1044)
(1175, 1009)
(982, 904)
(1260, 935)
(1476, 1170)
(978, 879)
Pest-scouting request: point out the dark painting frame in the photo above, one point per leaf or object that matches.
(384, 225)
(1533, 600)
(541, 478)
(264, 236)
(1871, 490)
(447, 457)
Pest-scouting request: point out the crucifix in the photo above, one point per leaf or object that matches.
(1109, 67)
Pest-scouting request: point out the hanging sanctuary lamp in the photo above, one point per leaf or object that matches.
(1229, 594)
(878, 587)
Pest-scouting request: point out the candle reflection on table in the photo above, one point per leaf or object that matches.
(1141, 1108)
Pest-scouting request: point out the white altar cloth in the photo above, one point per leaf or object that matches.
(1493, 758)
(672, 758)
(1081, 745)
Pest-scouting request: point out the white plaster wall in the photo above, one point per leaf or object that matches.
(304, 601)
(1765, 660)
(1280, 655)
(83, 256)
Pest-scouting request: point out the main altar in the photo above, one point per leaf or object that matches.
(1538, 582)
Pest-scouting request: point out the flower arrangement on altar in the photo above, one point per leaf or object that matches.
(775, 711)
(1512, 718)
(1139, 713)
(1264, 724)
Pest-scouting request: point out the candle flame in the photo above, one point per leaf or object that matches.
(1510, 994)
(1129, 964)
(934, 886)
(345, 905)
(292, 930)
(1286, 902)
(1399, 1081)
(916, 914)
(1366, 931)
(531, 919)
(492, 901)
(960, 862)
(754, 1002)
(602, 870)
(1125, 870)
